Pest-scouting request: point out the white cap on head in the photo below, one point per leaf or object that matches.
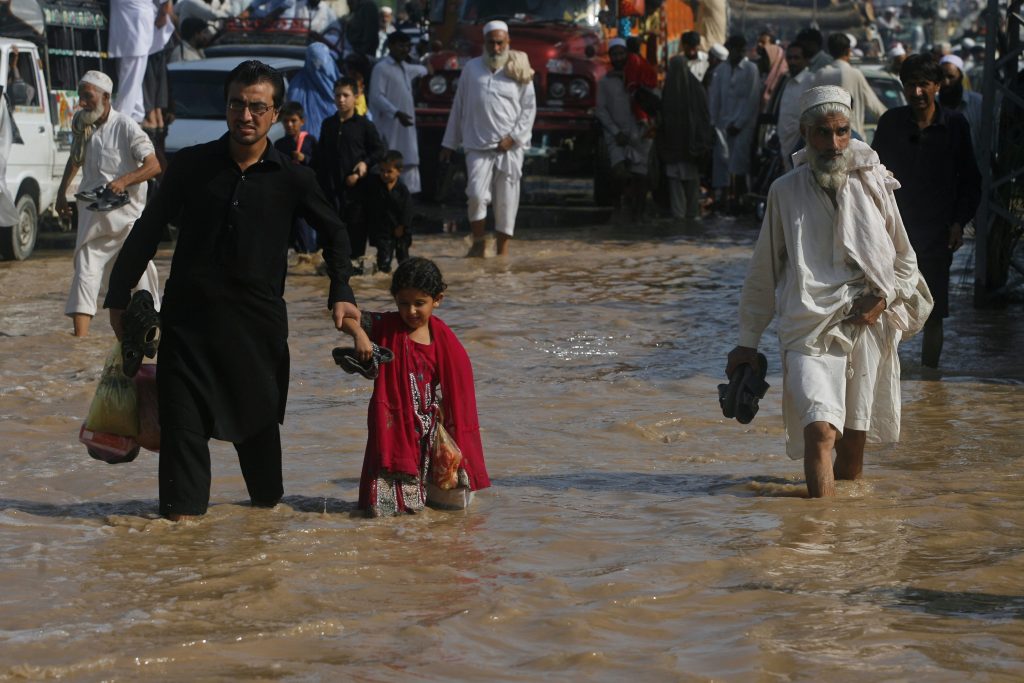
(897, 50)
(496, 25)
(954, 60)
(616, 42)
(968, 43)
(386, 10)
(99, 80)
(719, 51)
(824, 94)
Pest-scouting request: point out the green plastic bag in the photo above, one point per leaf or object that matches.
(115, 407)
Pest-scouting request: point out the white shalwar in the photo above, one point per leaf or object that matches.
(813, 259)
(490, 105)
(115, 148)
(132, 27)
(390, 93)
(732, 101)
(615, 114)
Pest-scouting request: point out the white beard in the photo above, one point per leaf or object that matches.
(495, 62)
(829, 173)
(91, 117)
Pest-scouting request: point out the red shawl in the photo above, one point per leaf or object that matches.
(393, 445)
(638, 73)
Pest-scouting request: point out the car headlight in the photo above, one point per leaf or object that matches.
(559, 66)
(438, 84)
(556, 90)
(579, 89)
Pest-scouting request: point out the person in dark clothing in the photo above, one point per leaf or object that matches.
(928, 149)
(348, 148)
(362, 27)
(299, 146)
(223, 361)
(387, 208)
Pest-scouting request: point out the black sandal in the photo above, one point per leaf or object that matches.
(348, 361)
(140, 332)
(746, 387)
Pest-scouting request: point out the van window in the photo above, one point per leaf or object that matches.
(21, 81)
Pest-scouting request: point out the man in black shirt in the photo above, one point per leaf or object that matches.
(928, 149)
(223, 364)
(348, 147)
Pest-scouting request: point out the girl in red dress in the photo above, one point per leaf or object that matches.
(429, 382)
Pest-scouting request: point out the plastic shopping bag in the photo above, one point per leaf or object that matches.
(445, 459)
(115, 406)
(149, 410)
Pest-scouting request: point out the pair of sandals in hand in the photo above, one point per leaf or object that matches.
(348, 361)
(102, 199)
(746, 387)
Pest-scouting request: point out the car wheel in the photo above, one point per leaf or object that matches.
(18, 241)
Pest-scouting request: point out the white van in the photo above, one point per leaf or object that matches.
(36, 164)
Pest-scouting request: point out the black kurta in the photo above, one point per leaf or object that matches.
(224, 322)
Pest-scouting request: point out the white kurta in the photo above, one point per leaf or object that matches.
(117, 147)
(391, 92)
(131, 28)
(733, 101)
(488, 106)
(804, 265)
(850, 79)
(788, 125)
(615, 114)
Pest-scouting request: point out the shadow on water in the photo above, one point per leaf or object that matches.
(149, 508)
(663, 484)
(966, 604)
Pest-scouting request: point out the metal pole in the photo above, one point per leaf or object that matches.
(983, 219)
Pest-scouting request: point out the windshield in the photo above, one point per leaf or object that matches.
(569, 11)
(198, 94)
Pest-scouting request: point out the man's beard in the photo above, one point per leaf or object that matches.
(496, 61)
(829, 172)
(951, 96)
(91, 116)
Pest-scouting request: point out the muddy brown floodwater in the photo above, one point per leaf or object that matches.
(632, 533)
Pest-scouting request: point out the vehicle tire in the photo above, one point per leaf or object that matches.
(604, 187)
(18, 241)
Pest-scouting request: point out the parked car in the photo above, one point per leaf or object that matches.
(888, 89)
(197, 91)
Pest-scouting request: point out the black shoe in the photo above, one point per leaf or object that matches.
(108, 200)
(140, 332)
(90, 195)
(346, 359)
(739, 398)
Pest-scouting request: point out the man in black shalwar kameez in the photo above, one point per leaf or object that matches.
(222, 371)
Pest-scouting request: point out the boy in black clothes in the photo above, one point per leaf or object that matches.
(349, 146)
(299, 146)
(387, 208)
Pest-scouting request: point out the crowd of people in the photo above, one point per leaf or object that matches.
(853, 255)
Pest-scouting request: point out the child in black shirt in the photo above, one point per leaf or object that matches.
(387, 208)
(299, 146)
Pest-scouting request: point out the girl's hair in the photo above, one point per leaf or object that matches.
(418, 273)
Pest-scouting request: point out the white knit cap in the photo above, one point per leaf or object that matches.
(495, 25)
(719, 51)
(99, 80)
(616, 42)
(897, 50)
(954, 60)
(823, 94)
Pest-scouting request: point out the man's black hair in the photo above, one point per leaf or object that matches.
(920, 67)
(735, 42)
(292, 109)
(633, 45)
(838, 45)
(418, 273)
(798, 45)
(253, 71)
(811, 39)
(690, 38)
(398, 37)
(346, 82)
(393, 156)
(191, 27)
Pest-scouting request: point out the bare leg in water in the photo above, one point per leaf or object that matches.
(819, 439)
(479, 243)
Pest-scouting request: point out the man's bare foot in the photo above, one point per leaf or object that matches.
(477, 250)
(174, 517)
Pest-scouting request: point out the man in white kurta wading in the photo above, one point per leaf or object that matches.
(113, 151)
(834, 260)
(393, 108)
(492, 120)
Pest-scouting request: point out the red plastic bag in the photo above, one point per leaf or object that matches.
(149, 410)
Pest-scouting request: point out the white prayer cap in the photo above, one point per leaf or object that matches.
(718, 50)
(616, 42)
(496, 25)
(968, 43)
(824, 94)
(386, 10)
(954, 60)
(897, 50)
(99, 80)
(852, 39)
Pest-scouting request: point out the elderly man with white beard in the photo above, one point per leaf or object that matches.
(113, 152)
(492, 120)
(834, 260)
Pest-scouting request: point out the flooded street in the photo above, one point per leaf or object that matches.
(632, 533)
